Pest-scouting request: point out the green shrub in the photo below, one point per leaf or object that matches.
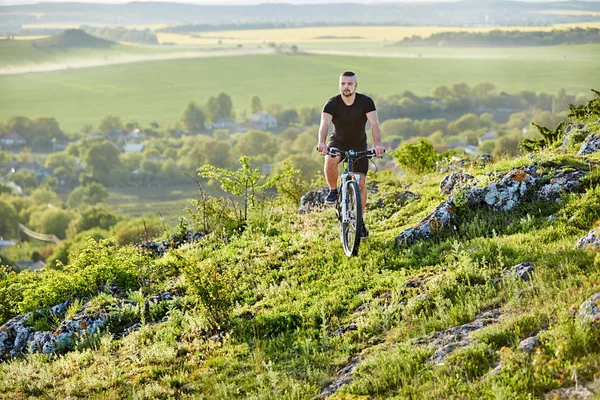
(583, 211)
(496, 337)
(470, 362)
(92, 266)
(211, 283)
(417, 158)
(136, 230)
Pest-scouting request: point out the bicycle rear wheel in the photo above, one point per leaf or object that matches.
(352, 221)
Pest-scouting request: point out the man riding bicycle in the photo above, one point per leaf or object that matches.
(349, 112)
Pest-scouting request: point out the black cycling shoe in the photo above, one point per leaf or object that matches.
(364, 232)
(331, 197)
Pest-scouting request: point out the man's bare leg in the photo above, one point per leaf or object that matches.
(331, 170)
(363, 192)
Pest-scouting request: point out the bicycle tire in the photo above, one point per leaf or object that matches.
(351, 230)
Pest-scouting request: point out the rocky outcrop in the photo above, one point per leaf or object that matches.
(523, 271)
(574, 134)
(434, 223)
(451, 181)
(506, 194)
(592, 239)
(342, 377)
(447, 341)
(579, 392)
(175, 240)
(510, 190)
(563, 182)
(18, 335)
(590, 145)
(313, 199)
(589, 310)
(529, 345)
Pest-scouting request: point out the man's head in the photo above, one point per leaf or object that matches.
(348, 83)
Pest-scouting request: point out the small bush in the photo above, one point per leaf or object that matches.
(417, 158)
(211, 283)
(470, 362)
(496, 337)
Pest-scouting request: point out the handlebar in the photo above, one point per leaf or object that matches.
(351, 153)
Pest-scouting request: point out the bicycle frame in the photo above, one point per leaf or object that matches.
(347, 176)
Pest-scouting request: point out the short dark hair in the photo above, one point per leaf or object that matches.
(348, 73)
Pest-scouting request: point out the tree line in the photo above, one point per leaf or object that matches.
(498, 38)
(120, 34)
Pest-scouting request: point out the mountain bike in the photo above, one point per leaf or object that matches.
(348, 206)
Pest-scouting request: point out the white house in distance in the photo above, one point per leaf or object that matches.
(262, 120)
(134, 148)
(489, 135)
(12, 139)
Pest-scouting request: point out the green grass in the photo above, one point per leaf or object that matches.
(23, 52)
(284, 286)
(158, 91)
(577, 52)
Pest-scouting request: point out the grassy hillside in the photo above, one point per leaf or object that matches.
(276, 310)
(158, 91)
(27, 52)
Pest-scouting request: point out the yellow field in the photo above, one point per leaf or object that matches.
(50, 26)
(338, 33)
(32, 37)
(570, 12)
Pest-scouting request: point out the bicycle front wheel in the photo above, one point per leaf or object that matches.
(352, 220)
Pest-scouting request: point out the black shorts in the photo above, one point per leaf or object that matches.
(361, 165)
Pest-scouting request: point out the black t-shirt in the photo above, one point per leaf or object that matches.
(349, 121)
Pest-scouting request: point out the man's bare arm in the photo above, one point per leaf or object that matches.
(376, 132)
(323, 130)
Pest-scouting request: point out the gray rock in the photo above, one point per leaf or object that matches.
(343, 377)
(590, 145)
(573, 393)
(483, 160)
(530, 344)
(435, 222)
(589, 310)
(564, 182)
(219, 337)
(451, 181)
(403, 198)
(574, 133)
(313, 199)
(523, 270)
(592, 239)
(16, 337)
(497, 370)
(447, 341)
(506, 194)
(552, 218)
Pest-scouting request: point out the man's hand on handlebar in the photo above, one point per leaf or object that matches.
(322, 148)
(379, 150)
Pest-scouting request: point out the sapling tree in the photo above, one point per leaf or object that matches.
(244, 182)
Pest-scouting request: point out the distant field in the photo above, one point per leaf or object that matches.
(168, 201)
(158, 91)
(570, 12)
(383, 49)
(344, 33)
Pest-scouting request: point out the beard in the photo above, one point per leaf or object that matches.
(347, 93)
